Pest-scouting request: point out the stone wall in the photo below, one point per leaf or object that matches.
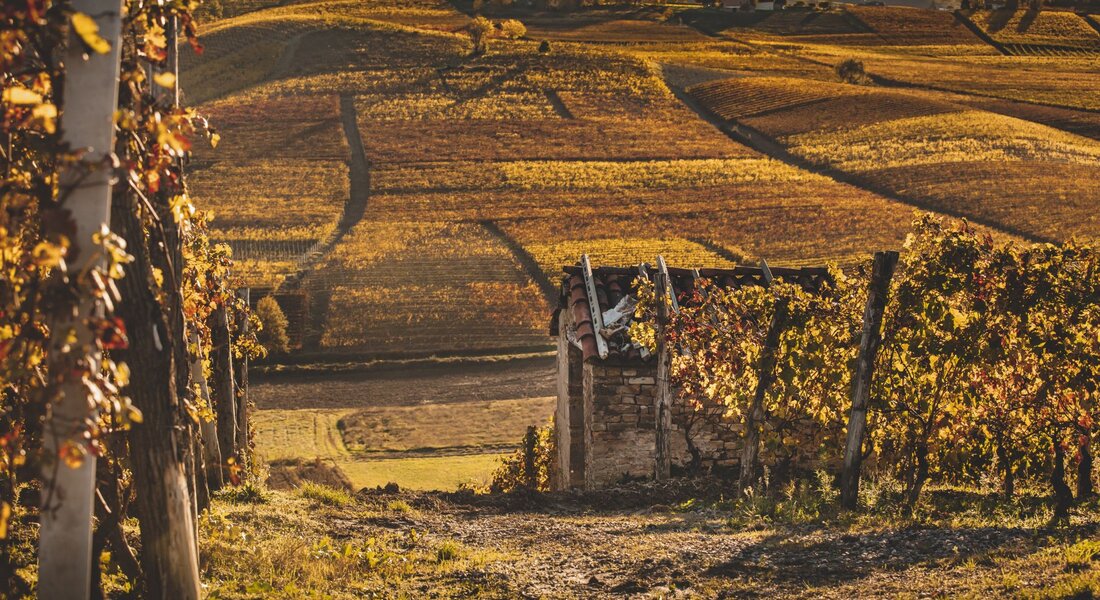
(605, 428)
(619, 409)
(621, 432)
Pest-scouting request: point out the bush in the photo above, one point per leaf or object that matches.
(515, 472)
(513, 29)
(479, 29)
(544, 46)
(272, 334)
(851, 71)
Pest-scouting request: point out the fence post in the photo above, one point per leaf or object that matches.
(663, 407)
(766, 376)
(240, 367)
(224, 392)
(877, 293)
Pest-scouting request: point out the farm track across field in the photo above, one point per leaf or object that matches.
(762, 143)
(354, 208)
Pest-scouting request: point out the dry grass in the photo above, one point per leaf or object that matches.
(453, 427)
(930, 30)
(995, 168)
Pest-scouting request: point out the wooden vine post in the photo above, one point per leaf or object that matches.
(225, 390)
(754, 420)
(240, 375)
(90, 98)
(663, 405)
(881, 274)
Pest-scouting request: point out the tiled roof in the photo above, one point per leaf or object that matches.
(614, 284)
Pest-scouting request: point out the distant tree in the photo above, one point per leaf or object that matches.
(479, 29)
(851, 70)
(513, 29)
(272, 334)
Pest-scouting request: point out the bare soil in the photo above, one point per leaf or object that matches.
(639, 541)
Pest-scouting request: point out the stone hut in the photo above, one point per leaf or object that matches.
(607, 385)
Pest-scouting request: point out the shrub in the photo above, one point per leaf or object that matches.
(324, 494)
(479, 29)
(851, 70)
(513, 29)
(544, 46)
(272, 334)
(530, 467)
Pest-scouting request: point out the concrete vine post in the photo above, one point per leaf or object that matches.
(878, 291)
(90, 98)
(663, 409)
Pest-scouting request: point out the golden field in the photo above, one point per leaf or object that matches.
(487, 173)
(1004, 171)
(483, 175)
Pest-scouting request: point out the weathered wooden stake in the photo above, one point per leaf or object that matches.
(663, 403)
(878, 291)
(240, 367)
(225, 391)
(90, 99)
(765, 377)
(208, 430)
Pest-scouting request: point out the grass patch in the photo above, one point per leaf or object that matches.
(398, 506)
(447, 473)
(324, 494)
(1079, 556)
(448, 551)
(247, 493)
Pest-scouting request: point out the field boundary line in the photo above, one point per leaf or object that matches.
(528, 262)
(764, 144)
(965, 20)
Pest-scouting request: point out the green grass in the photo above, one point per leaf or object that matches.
(324, 494)
(444, 473)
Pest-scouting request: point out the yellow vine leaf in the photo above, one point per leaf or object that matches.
(45, 115)
(5, 514)
(88, 30)
(21, 96)
(165, 80)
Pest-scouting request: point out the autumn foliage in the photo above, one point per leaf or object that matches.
(989, 363)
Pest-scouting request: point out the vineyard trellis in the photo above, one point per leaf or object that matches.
(972, 358)
(111, 291)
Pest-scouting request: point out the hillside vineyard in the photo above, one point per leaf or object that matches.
(549, 299)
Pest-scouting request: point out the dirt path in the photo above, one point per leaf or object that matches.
(633, 542)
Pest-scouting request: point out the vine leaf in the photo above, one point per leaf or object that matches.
(88, 30)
